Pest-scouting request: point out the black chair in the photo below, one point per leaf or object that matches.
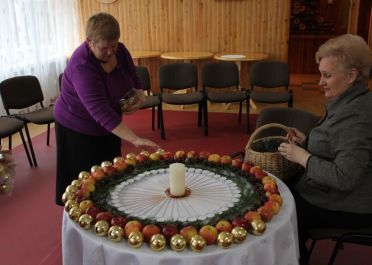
(180, 76)
(270, 76)
(10, 126)
(361, 236)
(23, 92)
(152, 101)
(221, 76)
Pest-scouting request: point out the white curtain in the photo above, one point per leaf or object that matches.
(36, 36)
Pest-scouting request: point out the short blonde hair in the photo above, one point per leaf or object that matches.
(102, 26)
(351, 52)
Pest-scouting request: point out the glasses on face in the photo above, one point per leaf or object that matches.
(110, 47)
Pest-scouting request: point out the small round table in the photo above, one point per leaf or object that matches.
(138, 55)
(186, 55)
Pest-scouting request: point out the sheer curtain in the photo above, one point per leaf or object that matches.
(36, 38)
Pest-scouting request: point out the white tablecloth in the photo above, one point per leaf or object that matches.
(277, 246)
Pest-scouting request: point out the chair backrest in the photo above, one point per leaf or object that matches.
(144, 76)
(220, 75)
(300, 119)
(177, 76)
(269, 74)
(21, 92)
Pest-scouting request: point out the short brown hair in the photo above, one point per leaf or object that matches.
(351, 51)
(102, 26)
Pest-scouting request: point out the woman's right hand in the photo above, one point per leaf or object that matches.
(295, 136)
(143, 143)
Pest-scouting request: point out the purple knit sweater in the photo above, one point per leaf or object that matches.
(89, 99)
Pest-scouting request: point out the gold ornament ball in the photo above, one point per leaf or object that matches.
(115, 233)
(95, 168)
(101, 228)
(67, 196)
(77, 183)
(225, 239)
(178, 242)
(70, 204)
(135, 239)
(197, 243)
(118, 159)
(71, 188)
(83, 175)
(239, 234)
(258, 227)
(131, 156)
(5, 188)
(106, 164)
(74, 213)
(160, 151)
(86, 221)
(145, 153)
(157, 242)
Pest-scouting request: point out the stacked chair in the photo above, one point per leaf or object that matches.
(221, 85)
(23, 92)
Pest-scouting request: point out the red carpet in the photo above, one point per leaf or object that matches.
(30, 224)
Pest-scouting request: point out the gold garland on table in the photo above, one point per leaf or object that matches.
(224, 233)
(6, 172)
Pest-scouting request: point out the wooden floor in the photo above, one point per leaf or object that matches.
(306, 97)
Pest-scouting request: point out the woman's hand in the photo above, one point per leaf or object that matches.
(139, 99)
(294, 153)
(143, 143)
(295, 136)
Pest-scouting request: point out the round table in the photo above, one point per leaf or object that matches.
(186, 56)
(278, 245)
(138, 55)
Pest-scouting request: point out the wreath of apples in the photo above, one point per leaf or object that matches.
(84, 201)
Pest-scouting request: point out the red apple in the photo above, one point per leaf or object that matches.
(255, 169)
(109, 170)
(180, 155)
(240, 221)
(252, 215)
(106, 216)
(92, 211)
(141, 158)
(271, 187)
(224, 225)
(82, 193)
(85, 204)
(204, 155)
(268, 179)
(226, 160)
(119, 163)
(237, 163)
(214, 158)
(167, 155)
(277, 198)
(273, 205)
(266, 213)
(209, 233)
(169, 230)
(188, 232)
(88, 186)
(192, 154)
(119, 220)
(133, 225)
(260, 175)
(149, 230)
(246, 166)
(131, 162)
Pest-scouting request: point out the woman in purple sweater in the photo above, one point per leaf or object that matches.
(88, 114)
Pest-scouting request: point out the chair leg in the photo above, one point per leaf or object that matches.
(153, 118)
(161, 121)
(335, 251)
(240, 112)
(30, 145)
(200, 110)
(48, 134)
(312, 247)
(10, 142)
(205, 112)
(26, 148)
(290, 102)
(248, 125)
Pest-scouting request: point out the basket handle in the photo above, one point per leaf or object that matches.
(264, 127)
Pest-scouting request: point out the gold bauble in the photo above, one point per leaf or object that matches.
(178, 242)
(115, 233)
(101, 228)
(145, 153)
(160, 151)
(118, 159)
(197, 243)
(106, 164)
(74, 213)
(225, 239)
(67, 196)
(5, 188)
(239, 234)
(71, 188)
(135, 239)
(86, 221)
(77, 183)
(6, 177)
(70, 204)
(95, 168)
(157, 242)
(258, 227)
(84, 175)
(131, 156)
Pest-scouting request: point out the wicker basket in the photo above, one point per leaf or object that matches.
(271, 161)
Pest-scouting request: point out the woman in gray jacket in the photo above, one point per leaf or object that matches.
(336, 187)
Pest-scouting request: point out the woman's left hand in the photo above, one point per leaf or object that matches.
(139, 100)
(294, 153)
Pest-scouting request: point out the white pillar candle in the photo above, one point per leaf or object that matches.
(177, 179)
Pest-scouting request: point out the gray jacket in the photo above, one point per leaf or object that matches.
(339, 173)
